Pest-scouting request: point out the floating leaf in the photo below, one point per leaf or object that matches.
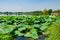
(34, 33)
(18, 33)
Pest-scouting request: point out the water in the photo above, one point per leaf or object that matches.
(21, 38)
(41, 37)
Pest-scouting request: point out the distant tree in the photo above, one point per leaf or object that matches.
(0, 13)
(36, 12)
(49, 11)
(45, 12)
(5, 13)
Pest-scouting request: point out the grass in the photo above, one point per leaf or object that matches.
(54, 31)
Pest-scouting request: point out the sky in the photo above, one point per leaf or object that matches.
(28, 5)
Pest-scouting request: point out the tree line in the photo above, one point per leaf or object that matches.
(44, 12)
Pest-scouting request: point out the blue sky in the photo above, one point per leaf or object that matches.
(28, 5)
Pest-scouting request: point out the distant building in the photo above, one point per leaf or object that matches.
(55, 14)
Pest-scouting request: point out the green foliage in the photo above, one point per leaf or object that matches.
(5, 37)
(27, 26)
(50, 11)
(54, 31)
(32, 33)
(4, 28)
(45, 12)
